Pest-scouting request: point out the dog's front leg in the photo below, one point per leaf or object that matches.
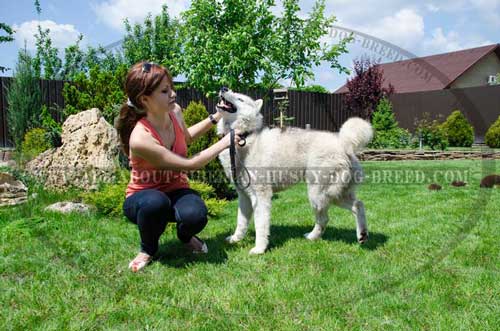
(245, 211)
(262, 219)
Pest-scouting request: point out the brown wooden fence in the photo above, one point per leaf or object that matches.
(51, 96)
(481, 106)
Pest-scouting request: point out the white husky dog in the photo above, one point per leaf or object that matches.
(273, 159)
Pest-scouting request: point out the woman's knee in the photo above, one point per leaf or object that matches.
(195, 215)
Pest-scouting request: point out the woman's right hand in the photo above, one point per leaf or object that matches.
(227, 138)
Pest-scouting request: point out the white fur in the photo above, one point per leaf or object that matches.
(325, 160)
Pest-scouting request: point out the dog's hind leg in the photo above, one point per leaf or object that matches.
(358, 210)
(320, 226)
(262, 219)
(245, 211)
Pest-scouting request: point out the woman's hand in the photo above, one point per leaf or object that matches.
(227, 138)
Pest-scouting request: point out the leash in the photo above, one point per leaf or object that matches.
(232, 154)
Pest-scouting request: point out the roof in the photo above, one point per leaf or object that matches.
(435, 72)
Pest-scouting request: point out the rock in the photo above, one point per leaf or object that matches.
(68, 207)
(12, 191)
(9, 164)
(88, 155)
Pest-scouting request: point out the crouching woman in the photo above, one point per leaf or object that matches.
(154, 137)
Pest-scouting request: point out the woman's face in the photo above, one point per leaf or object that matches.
(162, 99)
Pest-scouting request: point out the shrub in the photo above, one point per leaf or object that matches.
(311, 88)
(395, 138)
(387, 132)
(492, 137)
(35, 142)
(52, 128)
(365, 89)
(215, 206)
(24, 99)
(101, 89)
(458, 130)
(213, 172)
(431, 132)
(109, 198)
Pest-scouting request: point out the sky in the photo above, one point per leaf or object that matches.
(391, 29)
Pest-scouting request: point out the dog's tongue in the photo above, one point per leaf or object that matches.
(224, 104)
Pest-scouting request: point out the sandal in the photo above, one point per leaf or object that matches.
(197, 248)
(139, 262)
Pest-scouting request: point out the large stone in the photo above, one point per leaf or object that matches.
(12, 191)
(88, 155)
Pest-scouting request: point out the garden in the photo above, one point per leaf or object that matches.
(432, 260)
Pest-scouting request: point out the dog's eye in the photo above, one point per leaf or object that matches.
(240, 99)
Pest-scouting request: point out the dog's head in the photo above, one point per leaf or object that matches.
(239, 111)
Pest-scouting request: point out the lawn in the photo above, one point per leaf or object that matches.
(432, 262)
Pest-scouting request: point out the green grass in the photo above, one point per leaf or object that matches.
(432, 263)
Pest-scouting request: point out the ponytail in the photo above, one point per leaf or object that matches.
(125, 123)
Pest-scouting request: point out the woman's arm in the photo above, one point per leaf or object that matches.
(143, 145)
(197, 130)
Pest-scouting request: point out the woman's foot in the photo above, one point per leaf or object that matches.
(197, 246)
(140, 261)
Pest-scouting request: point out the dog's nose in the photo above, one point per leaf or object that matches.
(224, 89)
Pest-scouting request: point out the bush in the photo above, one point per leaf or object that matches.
(109, 198)
(395, 138)
(387, 132)
(215, 206)
(101, 89)
(35, 142)
(52, 128)
(311, 88)
(492, 137)
(431, 132)
(24, 99)
(458, 130)
(212, 173)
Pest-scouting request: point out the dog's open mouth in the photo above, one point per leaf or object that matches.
(226, 105)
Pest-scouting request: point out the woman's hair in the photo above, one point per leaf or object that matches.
(142, 79)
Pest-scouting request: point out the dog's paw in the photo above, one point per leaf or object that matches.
(232, 239)
(312, 236)
(363, 237)
(257, 251)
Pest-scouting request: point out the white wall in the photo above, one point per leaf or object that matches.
(478, 74)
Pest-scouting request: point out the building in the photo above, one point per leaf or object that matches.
(461, 69)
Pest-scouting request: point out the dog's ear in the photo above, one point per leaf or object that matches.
(259, 104)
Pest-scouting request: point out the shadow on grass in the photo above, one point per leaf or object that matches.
(174, 254)
(282, 233)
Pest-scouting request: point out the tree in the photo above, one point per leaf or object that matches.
(158, 40)
(242, 44)
(296, 48)
(99, 88)
(388, 134)
(5, 39)
(365, 89)
(23, 98)
(47, 63)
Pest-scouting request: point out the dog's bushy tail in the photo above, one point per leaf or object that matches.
(356, 133)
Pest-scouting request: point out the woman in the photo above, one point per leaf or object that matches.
(154, 137)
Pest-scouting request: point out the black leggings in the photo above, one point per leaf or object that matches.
(152, 209)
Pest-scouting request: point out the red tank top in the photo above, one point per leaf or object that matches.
(145, 176)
